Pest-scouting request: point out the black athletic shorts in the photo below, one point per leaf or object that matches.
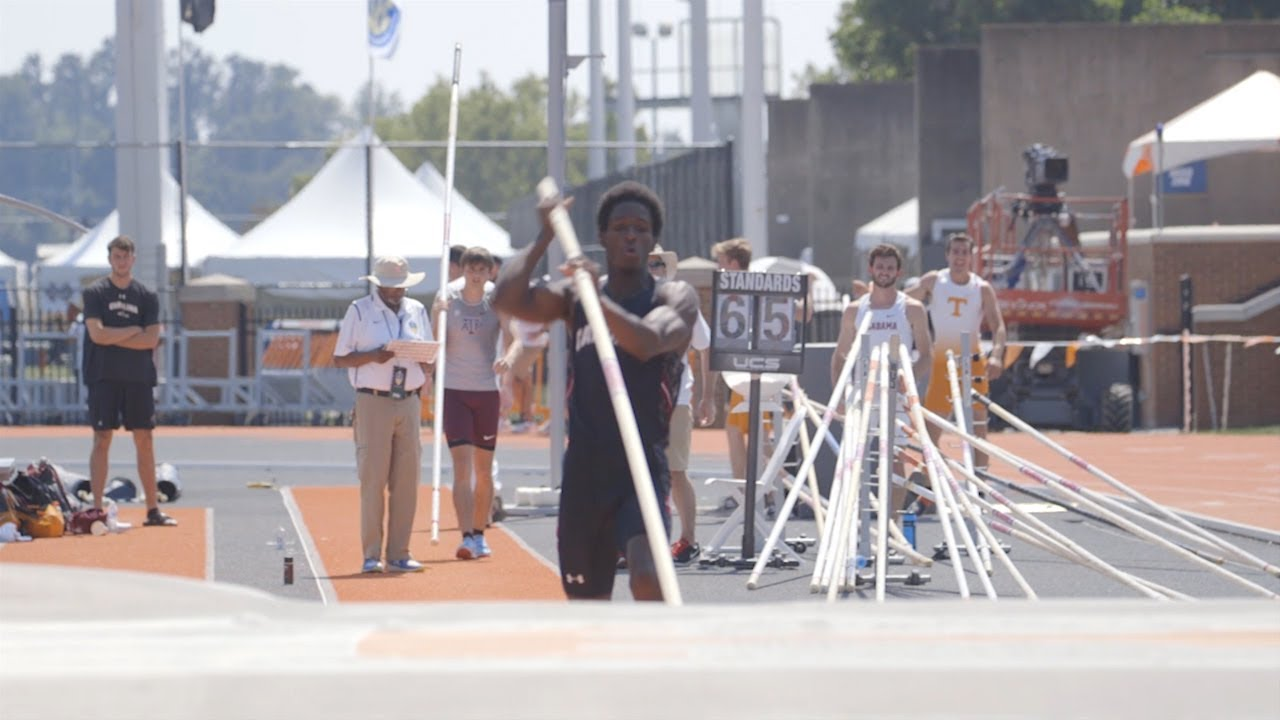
(599, 514)
(111, 402)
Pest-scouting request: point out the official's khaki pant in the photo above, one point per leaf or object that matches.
(388, 462)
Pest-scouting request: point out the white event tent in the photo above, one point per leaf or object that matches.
(469, 225)
(13, 278)
(1243, 118)
(61, 277)
(319, 235)
(824, 293)
(899, 226)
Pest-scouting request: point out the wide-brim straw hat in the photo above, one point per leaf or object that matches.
(392, 271)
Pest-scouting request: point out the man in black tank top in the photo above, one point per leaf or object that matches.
(651, 326)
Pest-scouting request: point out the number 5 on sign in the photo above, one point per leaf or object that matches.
(733, 321)
(777, 326)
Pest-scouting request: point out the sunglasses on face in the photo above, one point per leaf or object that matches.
(657, 265)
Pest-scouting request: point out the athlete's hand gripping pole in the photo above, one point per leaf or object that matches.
(648, 499)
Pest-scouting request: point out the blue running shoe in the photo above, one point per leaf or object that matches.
(405, 565)
(482, 546)
(372, 565)
(467, 549)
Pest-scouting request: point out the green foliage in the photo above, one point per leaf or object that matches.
(242, 99)
(875, 40)
(1158, 11)
(63, 104)
(232, 99)
(488, 177)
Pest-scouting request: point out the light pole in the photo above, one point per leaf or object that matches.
(663, 30)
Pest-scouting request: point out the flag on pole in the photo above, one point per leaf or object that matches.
(384, 28)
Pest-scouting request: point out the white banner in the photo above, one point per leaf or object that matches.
(384, 28)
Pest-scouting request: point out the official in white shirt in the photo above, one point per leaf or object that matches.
(387, 418)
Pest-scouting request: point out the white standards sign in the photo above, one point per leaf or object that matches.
(757, 321)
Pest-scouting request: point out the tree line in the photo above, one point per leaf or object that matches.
(239, 99)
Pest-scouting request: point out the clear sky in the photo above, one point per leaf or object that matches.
(325, 39)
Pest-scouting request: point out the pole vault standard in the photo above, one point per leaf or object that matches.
(812, 453)
(437, 430)
(655, 531)
(1198, 533)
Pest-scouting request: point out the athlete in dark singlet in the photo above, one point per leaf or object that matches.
(651, 325)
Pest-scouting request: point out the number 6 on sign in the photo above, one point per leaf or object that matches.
(733, 321)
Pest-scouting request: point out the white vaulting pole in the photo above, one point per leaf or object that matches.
(885, 472)
(622, 410)
(1082, 496)
(437, 426)
(1188, 528)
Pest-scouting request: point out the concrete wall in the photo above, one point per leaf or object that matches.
(949, 137)
(837, 161)
(1089, 89)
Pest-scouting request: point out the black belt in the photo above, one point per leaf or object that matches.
(386, 393)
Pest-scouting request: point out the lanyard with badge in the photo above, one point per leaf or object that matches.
(398, 374)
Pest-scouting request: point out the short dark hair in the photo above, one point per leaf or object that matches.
(885, 250)
(476, 256)
(959, 237)
(122, 242)
(630, 191)
(456, 252)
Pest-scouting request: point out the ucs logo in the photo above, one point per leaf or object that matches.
(756, 364)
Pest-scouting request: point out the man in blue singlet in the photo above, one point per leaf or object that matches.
(651, 324)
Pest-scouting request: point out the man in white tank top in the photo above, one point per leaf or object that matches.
(892, 313)
(960, 302)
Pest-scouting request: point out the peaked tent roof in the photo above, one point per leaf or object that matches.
(319, 235)
(899, 226)
(1243, 118)
(469, 224)
(60, 277)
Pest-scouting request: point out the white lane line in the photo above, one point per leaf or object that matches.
(208, 545)
(323, 584)
(553, 567)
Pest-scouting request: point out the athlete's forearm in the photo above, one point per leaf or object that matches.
(148, 339)
(112, 335)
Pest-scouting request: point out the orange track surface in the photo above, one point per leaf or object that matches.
(332, 516)
(168, 550)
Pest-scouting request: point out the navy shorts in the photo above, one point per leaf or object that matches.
(112, 402)
(471, 418)
(599, 515)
